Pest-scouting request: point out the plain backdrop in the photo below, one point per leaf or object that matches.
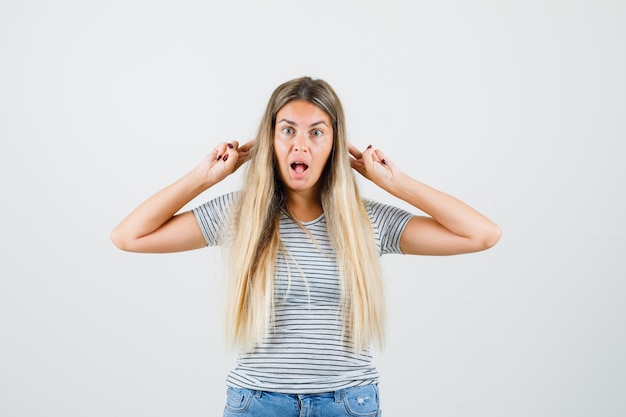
(516, 107)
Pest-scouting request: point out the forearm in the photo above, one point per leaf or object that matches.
(451, 213)
(159, 208)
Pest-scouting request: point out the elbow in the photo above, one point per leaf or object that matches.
(491, 237)
(118, 240)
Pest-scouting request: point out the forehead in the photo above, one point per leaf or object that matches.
(302, 111)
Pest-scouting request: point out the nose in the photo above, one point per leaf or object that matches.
(300, 143)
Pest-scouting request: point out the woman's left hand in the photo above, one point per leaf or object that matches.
(373, 165)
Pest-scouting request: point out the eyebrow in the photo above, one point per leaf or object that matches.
(295, 124)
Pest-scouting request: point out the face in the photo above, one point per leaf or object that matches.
(303, 140)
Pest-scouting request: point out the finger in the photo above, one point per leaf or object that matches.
(247, 147)
(244, 152)
(380, 157)
(369, 158)
(374, 154)
(221, 149)
(384, 160)
(231, 151)
(357, 165)
(354, 151)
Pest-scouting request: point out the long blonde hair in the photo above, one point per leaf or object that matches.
(255, 239)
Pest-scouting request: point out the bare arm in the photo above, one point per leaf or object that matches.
(452, 228)
(154, 225)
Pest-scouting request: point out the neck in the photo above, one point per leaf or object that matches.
(305, 206)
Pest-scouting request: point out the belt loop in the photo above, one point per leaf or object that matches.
(258, 394)
(337, 396)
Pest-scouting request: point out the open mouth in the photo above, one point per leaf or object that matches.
(299, 167)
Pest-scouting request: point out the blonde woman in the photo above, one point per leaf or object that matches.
(304, 294)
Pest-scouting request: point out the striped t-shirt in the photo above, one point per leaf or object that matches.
(303, 352)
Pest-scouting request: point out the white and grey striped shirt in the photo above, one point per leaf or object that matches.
(304, 351)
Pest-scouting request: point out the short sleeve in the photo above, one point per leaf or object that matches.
(213, 218)
(388, 223)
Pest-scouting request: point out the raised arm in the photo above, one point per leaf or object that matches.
(452, 228)
(155, 227)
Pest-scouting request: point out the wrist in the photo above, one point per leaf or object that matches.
(198, 180)
(403, 186)
(396, 183)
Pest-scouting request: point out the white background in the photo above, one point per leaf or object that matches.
(517, 108)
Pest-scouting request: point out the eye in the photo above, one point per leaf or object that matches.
(287, 130)
(317, 132)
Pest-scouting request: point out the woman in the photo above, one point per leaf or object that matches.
(304, 291)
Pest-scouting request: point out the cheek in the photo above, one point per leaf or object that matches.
(326, 150)
(276, 149)
(279, 154)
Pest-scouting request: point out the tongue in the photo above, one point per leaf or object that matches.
(299, 168)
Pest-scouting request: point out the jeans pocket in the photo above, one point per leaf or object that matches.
(238, 399)
(362, 401)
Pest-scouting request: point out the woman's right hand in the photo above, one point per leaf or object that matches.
(224, 159)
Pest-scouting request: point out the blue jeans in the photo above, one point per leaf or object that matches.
(353, 402)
